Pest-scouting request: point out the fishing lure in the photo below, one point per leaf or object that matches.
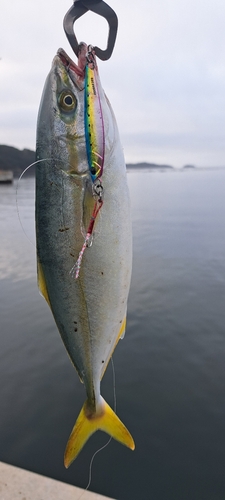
(93, 119)
(95, 145)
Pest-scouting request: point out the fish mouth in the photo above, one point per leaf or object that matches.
(78, 69)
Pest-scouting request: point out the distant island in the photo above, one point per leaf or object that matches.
(17, 160)
(148, 166)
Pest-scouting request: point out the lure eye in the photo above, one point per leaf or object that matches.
(67, 101)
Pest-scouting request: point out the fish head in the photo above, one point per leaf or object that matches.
(61, 123)
(60, 128)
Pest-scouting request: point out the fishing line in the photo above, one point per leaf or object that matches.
(91, 224)
(17, 206)
(17, 189)
(110, 439)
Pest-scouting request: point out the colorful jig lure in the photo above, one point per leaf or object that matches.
(94, 126)
(95, 145)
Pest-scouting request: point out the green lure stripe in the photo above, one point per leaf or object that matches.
(94, 126)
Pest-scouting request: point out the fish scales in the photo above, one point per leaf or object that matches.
(89, 311)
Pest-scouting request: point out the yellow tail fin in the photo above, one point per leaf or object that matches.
(86, 424)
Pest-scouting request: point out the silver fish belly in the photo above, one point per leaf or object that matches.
(90, 311)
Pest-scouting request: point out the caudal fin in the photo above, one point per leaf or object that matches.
(105, 420)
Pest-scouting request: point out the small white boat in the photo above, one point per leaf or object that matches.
(6, 176)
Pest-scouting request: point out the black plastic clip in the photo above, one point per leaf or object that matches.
(79, 8)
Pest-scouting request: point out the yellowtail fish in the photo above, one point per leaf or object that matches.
(83, 232)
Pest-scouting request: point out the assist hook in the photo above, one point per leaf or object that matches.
(79, 8)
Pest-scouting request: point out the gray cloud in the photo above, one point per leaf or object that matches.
(165, 80)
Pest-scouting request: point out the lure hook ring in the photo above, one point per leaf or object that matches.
(101, 8)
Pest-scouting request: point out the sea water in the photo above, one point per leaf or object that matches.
(170, 367)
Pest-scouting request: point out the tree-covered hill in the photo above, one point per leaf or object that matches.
(16, 160)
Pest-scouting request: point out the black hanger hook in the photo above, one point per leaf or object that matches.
(101, 8)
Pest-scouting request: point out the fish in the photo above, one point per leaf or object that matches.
(85, 280)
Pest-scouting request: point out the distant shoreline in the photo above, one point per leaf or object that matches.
(148, 166)
(18, 160)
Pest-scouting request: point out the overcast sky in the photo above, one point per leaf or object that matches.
(165, 79)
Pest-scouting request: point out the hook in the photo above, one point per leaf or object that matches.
(101, 8)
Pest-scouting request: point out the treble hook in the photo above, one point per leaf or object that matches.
(79, 8)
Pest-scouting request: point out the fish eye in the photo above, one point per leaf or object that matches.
(67, 100)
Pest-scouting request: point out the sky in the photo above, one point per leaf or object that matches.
(165, 79)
